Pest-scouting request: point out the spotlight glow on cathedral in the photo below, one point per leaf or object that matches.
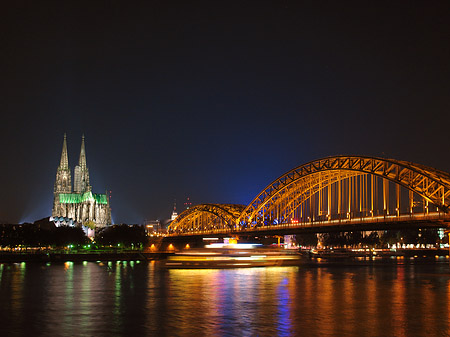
(81, 205)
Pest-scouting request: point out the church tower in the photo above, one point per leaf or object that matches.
(63, 183)
(174, 213)
(81, 172)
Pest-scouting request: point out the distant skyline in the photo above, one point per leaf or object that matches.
(213, 101)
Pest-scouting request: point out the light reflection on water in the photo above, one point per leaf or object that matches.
(141, 299)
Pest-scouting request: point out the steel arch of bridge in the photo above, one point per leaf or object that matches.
(204, 214)
(303, 182)
(433, 185)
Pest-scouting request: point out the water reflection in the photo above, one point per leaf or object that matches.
(130, 298)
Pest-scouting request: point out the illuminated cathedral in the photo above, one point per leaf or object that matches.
(80, 205)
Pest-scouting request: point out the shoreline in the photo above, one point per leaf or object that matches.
(13, 257)
(49, 256)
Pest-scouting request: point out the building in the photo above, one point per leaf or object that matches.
(81, 205)
(152, 227)
(174, 213)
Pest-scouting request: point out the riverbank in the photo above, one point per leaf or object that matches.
(375, 253)
(63, 256)
(6, 257)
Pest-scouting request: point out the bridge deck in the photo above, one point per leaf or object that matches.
(432, 219)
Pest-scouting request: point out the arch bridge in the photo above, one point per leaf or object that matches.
(334, 193)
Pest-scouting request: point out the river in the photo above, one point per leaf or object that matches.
(394, 298)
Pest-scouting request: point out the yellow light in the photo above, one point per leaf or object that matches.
(187, 246)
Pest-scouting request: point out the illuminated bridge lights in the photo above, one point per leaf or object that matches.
(330, 192)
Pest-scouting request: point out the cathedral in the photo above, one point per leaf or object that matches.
(80, 205)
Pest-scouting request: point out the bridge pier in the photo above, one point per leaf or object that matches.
(177, 243)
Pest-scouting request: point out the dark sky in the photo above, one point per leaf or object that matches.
(213, 99)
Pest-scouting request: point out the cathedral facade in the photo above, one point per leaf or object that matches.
(80, 205)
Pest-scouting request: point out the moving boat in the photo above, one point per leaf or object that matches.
(231, 258)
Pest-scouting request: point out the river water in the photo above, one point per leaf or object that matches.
(395, 298)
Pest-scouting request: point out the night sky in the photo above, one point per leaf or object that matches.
(213, 99)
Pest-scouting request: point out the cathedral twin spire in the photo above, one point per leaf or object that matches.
(63, 182)
(64, 163)
(82, 160)
(81, 173)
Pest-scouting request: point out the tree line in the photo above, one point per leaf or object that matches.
(46, 234)
(379, 239)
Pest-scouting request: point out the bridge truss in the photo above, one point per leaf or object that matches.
(207, 217)
(334, 189)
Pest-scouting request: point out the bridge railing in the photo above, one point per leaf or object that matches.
(434, 216)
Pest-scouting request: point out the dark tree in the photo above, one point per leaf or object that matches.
(372, 239)
(307, 239)
(428, 236)
(124, 235)
(334, 239)
(389, 238)
(64, 236)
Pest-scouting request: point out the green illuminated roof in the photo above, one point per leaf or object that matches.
(77, 198)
